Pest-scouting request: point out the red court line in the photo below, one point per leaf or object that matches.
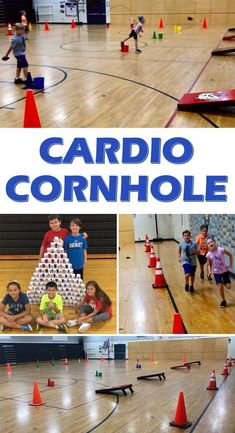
(168, 124)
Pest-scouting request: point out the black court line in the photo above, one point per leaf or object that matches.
(205, 409)
(107, 417)
(40, 91)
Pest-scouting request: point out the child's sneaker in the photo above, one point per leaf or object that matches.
(186, 287)
(63, 328)
(122, 44)
(84, 327)
(138, 50)
(27, 327)
(209, 277)
(71, 323)
(202, 275)
(223, 304)
(19, 81)
(191, 289)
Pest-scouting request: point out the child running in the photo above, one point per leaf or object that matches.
(18, 315)
(135, 33)
(217, 266)
(94, 307)
(188, 257)
(50, 309)
(201, 241)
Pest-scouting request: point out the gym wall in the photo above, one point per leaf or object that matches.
(201, 349)
(173, 11)
(23, 234)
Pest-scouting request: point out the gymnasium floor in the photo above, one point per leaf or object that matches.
(90, 83)
(101, 270)
(147, 310)
(73, 406)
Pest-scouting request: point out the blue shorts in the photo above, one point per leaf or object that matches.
(189, 269)
(22, 61)
(222, 278)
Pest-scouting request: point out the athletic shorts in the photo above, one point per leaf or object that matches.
(22, 61)
(189, 269)
(222, 278)
(52, 316)
(202, 259)
(133, 34)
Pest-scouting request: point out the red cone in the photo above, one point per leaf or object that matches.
(31, 117)
(225, 371)
(46, 26)
(147, 246)
(146, 239)
(73, 26)
(159, 280)
(152, 258)
(184, 359)
(212, 383)
(37, 401)
(178, 327)
(204, 24)
(161, 25)
(180, 414)
(8, 368)
(66, 362)
(9, 30)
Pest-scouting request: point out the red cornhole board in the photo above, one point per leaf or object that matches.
(229, 38)
(223, 51)
(208, 100)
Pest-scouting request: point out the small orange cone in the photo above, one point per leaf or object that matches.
(9, 30)
(37, 401)
(146, 239)
(46, 26)
(66, 361)
(184, 359)
(73, 26)
(152, 258)
(147, 246)
(178, 327)
(212, 383)
(161, 25)
(151, 359)
(8, 368)
(204, 24)
(225, 371)
(159, 280)
(31, 116)
(230, 364)
(180, 414)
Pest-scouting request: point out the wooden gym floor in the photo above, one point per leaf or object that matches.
(73, 406)
(101, 270)
(144, 310)
(90, 83)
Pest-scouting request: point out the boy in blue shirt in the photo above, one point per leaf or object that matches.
(76, 247)
(18, 47)
(188, 251)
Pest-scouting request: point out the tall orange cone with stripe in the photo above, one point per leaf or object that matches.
(66, 361)
(225, 371)
(212, 383)
(9, 30)
(37, 401)
(147, 246)
(178, 326)
(159, 280)
(146, 239)
(31, 116)
(229, 363)
(152, 258)
(180, 414)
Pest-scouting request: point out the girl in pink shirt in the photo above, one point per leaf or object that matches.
(217, 266)
(135, 32)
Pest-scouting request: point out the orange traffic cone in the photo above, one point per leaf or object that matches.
(178, 326)
(46, 26)
(152, 258)
(184, 359)
(73, 26)
(9, 30)
(204, 24)
(159, 281)
(37, 401)
(147, 246)
(8, 368)
(225, 371)
(151, 359)
(180, 414)
(146, 239)
(212, 383)
(66, 361)
(31, 116)
(161, 25)
(230, 364)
